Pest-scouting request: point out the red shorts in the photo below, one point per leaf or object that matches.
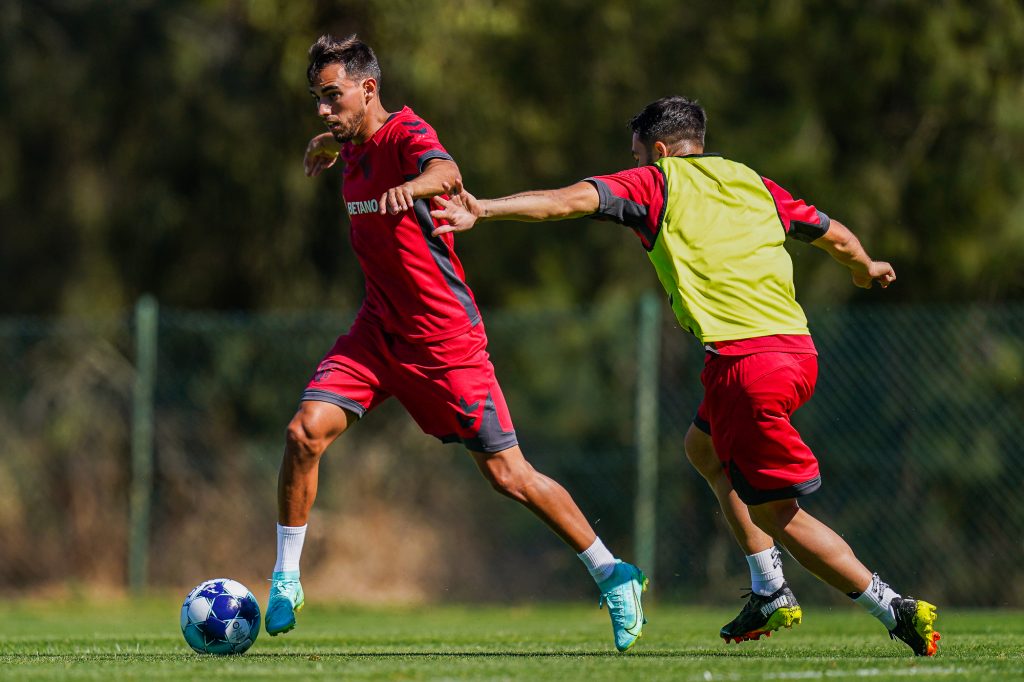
(447, 386)
(748, 402)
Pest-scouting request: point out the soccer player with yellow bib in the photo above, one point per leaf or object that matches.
(714, 230)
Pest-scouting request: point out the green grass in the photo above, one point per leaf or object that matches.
(77, 640)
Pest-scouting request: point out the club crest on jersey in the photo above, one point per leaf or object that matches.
(361, 207)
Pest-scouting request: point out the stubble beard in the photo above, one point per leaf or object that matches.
(346, 133)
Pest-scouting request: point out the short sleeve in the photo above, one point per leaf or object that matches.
(801, 220)
(419, 144)
(634, 198)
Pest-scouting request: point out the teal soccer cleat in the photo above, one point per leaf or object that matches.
(622, 592)
(286, 599)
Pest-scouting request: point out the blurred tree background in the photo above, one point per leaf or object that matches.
(155, 145)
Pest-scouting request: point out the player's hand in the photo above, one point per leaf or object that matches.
(460, 212)
(463, 198)
(455, 188)
(397, 199)
(321, 153)
(878, 271)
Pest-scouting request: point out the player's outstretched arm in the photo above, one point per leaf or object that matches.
(439, 176)
(574, 201)
(321, 153)
(843, 245)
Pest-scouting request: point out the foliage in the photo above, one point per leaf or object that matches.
(915, 423)
(155, 146)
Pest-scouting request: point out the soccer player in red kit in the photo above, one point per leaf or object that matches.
(418, 335)
(714, 231)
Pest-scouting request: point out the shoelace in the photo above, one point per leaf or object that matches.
(284, 588)
(751, 598)
(614, 601)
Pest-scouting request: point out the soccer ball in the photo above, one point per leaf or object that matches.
(220, 616)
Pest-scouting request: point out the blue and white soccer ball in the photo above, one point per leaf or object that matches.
(220, 616)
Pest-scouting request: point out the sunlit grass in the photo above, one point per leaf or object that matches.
(123, 639)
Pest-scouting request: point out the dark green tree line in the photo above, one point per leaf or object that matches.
(156, 146)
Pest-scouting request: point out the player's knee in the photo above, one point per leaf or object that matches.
(312, 429)
(773, 517)
(302, 444)
(504, 483)
(508, 480)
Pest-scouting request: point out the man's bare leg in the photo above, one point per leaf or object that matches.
(767, 581)
(314, 427)
(817, 547)
(820, 550)
(763, 559)
(701, 453)
(621, 584)
(511, 475)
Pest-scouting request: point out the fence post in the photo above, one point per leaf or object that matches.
(648, 362)
(140, 498)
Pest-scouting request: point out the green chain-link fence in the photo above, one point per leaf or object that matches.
(918, 421)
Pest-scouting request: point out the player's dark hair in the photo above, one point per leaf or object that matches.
(670, 120)
(351, 52)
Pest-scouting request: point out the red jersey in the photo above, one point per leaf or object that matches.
(415, 284)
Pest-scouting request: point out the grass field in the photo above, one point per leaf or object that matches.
(122, 640)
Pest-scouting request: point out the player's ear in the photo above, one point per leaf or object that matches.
(369, 88)
(660, 150)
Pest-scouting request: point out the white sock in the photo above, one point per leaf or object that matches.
(766, 571)
(877, 600)
(289, 547)
(598, 560)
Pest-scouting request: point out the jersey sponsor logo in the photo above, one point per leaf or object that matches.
(361, 207)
